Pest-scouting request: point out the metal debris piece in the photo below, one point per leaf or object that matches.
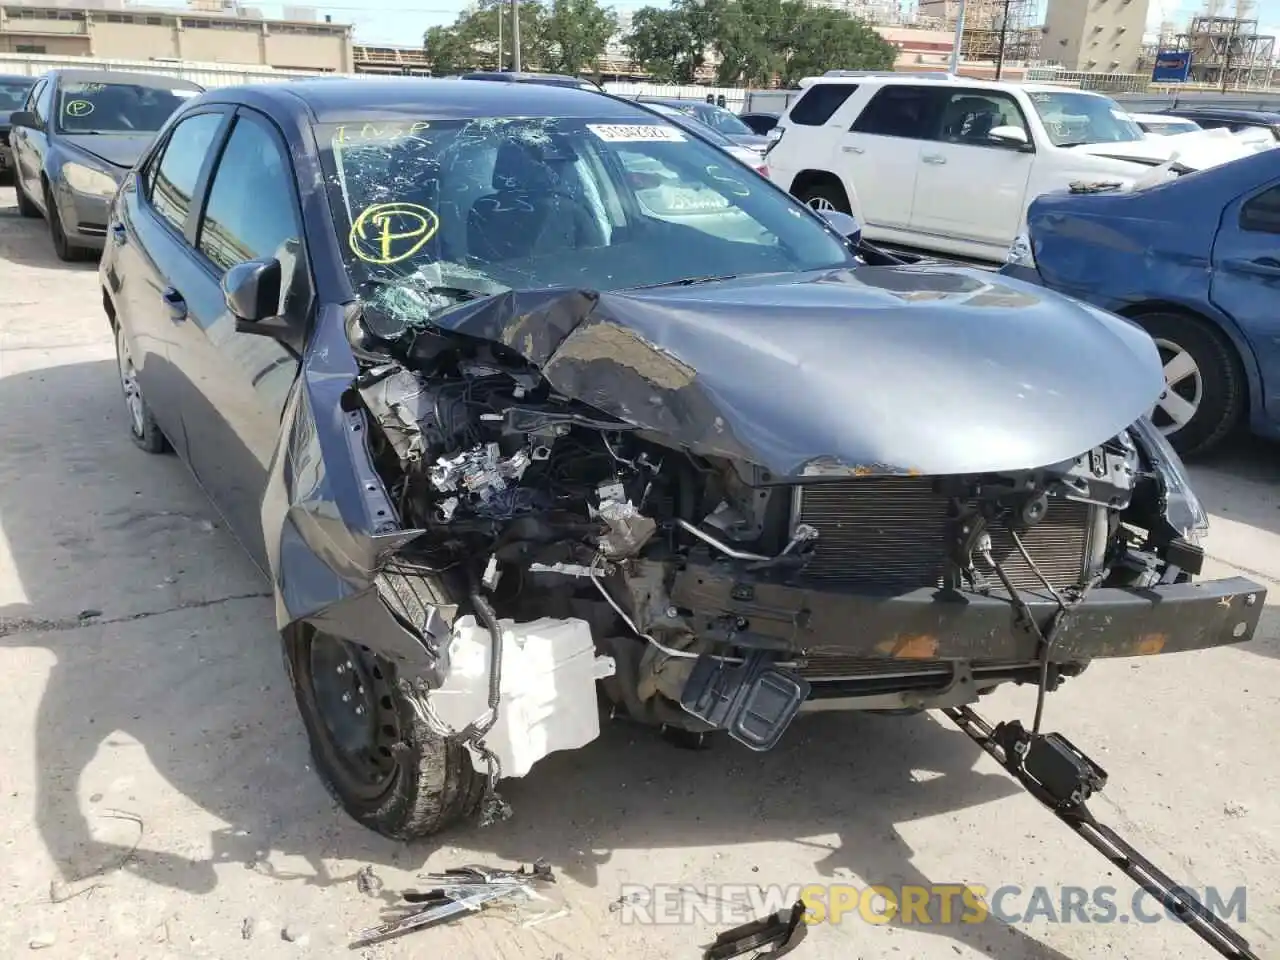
(629, 529)
(783, 931)
(459, 891)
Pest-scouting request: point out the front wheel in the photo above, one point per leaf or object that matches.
(373, 752)
(1204, 392)
(67, 251)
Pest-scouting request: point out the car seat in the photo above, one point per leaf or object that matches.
(535, 208)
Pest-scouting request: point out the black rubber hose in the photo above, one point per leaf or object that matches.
(487, 616)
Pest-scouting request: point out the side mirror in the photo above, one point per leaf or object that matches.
(24, 118)
(844, 224)
(1009, 136)
(252, 292)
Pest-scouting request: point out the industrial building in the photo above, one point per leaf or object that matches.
(213, 31)
(1228, 50)
(993, 30)
(1104, 36)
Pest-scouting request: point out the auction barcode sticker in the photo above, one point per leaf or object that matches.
(633, 133)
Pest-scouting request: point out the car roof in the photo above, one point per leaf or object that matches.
(942, 80)
(408, 98)
(1157, 117)
(1233, 113)
(512, 77)
(159, 81)
(6, 77)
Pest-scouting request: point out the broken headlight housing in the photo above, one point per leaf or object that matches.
(1020, 252)
(1184, 509)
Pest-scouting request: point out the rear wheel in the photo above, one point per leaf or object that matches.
(25, 206)
(386, 767)
(1204, 392)
(824, 195)
(144, 430)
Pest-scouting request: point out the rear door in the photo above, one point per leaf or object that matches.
(968, 186)
(881, 151)
(806, 136)
(1246, 280)
(234, 385)
(148, 253)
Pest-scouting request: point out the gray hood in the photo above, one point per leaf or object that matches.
(120, 151)
(874, 370)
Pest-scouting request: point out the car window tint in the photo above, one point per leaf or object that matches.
(1262, 213)
(249, 217)
(820, 102)
(970, 115)
(171, 187)
(900, 112)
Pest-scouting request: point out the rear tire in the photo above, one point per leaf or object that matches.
(824, 195)
(25, 207)
(143, 429)
(382, 764)
(1204, 390)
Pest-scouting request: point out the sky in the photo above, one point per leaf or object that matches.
(402, 22)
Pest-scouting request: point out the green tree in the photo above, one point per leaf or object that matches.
(471, 41)
(671, 44)
(824, 39)
(573, 34)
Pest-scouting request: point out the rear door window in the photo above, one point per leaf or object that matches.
(1261, 214)
(901, 111)
(820, 102)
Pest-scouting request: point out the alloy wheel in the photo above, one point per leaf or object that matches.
(129, 383)
(822, 204)
(1183, 388)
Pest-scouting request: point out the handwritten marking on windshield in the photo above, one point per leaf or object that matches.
(78, 108)
(380, 132)
(386, 233)
(732, 183)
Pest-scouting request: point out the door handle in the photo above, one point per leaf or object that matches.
(176, 304)
(853, 149)
(118, 233)
(1262, 266)
(934, 158)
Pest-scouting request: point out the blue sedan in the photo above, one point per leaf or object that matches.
(1196, 263)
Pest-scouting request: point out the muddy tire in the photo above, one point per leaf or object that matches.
(1204, 385)
(379, 761)
(25, 207)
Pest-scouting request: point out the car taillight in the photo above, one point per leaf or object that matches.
(775, 137)
(763, 170)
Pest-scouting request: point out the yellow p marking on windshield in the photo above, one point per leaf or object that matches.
(387, 233)
(79, 108)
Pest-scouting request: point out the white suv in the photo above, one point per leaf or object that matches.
(949, 164)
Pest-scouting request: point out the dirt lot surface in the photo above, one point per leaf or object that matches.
(156, 797)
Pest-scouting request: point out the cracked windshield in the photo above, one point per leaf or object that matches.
(438, 212)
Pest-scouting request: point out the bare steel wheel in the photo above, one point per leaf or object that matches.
(386, 767)
(143, 428)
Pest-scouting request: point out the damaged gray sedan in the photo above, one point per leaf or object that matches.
(528, 398)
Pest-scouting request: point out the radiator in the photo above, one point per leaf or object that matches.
(891, 532)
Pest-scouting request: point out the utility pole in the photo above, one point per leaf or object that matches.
(1231, 42)
(1004, 29)
(955, 47)
(515, 36)
(499, 12)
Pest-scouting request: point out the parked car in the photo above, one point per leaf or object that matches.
(1196, 263)
(760, 123)
(687, 122)
(948, 164)
(1230, 118)
(13, 94)
(495, 428)
(725, 122)
(76, 137)
(1163, 125)
(545, 79)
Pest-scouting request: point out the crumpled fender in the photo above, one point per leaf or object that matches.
(327, 519)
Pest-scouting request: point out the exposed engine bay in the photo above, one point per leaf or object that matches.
(731, 598)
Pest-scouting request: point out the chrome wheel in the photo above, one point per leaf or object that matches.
(1183, 388)
(129, 383)
(822, 204)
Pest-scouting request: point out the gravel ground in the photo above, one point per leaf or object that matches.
(156, 798)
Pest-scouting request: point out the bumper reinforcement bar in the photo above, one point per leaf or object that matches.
(1063, 779)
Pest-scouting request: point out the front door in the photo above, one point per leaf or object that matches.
(234, 385)
(968, 186)
(1246, 280)
(28, 144)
